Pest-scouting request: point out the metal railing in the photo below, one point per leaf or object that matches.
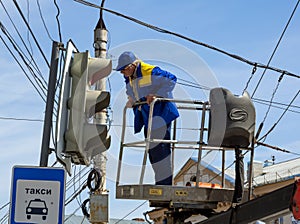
(199, 144)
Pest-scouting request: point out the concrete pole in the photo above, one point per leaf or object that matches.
(100, 197)
(100, 41)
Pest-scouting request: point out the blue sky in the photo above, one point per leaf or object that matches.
(249, 29)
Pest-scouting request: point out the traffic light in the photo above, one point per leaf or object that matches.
(85, 139)
(232, 119)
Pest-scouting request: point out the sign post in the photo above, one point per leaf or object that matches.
(37, 195)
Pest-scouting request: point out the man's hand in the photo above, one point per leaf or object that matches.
(150, 98)
(130, 102)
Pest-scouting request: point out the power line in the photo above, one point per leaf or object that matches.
(278, 107)
(131, 212)
(23, 69)
(21, 119)
(27, 33)
(274, 102)
(57, 20)
(75, 194)
(72, 213)
(279, 80)
(4, 218)
(21, 53)
(4, 205)
(42, 18)
(277, 148)
(192, 84)
(18, 49)
(257, 100)
(22, 40)
(256, 64)
(275, 124)
(23, 57)
(282, 34)
(272, 97)
(32, 34)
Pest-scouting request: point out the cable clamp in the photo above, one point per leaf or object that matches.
(254, 68)
(280, 78)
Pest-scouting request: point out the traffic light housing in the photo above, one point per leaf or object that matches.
(232, 119)
(85, 139)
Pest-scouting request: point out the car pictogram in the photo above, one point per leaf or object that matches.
(37, 207)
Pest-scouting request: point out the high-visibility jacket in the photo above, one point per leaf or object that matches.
(150, 79)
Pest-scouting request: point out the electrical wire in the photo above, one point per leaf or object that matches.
(42, 18)
(219, 50)
(267, 104)
(20, 119)
(76, 194)
(74, 185)
(230, 165)
(57, 20)
(24, 58)
(255, 64)
(59, 78)
(272, 97)
(250, 78)
(3, 206)
(4, 218)
(23, 70)
(257, 100)
(274, 102)
(163, 31)
(193, 85)
(70, 182)
(72, 214)
(131, 212)
(276, 123)
(180, 83)
(263, 74)
(21, 53)
(80, 188)
(32, 34)
(83, 219)
(28, 38)
(276, 47)
(277, 148)
(260, 65)
(36, 68)
(27, 33)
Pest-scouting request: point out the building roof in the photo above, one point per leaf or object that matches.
(229, 174)
(270, 174)
(278, 172)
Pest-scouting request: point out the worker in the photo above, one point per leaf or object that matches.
(144, 83)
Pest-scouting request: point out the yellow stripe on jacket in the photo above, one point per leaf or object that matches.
(146, 70)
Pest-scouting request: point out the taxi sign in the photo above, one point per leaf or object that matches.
(37, 195)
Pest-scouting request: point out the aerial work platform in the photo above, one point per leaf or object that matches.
(176, 196)
(191, 197)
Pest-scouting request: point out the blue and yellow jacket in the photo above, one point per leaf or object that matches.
(152, 80)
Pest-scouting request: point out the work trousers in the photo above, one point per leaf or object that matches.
(160, 155)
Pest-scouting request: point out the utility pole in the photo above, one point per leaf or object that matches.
(99, 199)
(49, 105)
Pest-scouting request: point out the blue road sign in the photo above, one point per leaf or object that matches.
(37, 195)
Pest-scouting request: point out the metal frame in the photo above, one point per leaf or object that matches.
(175, 193)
